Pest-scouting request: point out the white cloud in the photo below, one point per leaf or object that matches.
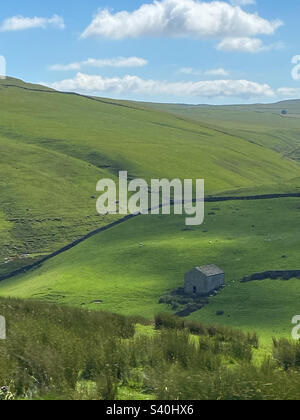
(217, 72)
(241, 44)
(242, 2)
(249, 45)
(190, 71)
(135, 85)
(20, 23)
(196, 72)
(100, 63)
(180, 18)
(289, 93)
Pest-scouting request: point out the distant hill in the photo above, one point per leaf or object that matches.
(55, 146)
(13, 82)
(262, 124)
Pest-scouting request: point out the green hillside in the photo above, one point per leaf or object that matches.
(129, 267)
(55, 147)
(260, 124)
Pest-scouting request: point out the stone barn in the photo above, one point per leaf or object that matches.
(201, 281)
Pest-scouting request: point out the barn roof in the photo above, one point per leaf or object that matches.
(210, 270)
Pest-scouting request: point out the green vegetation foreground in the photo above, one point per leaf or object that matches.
(54, 352)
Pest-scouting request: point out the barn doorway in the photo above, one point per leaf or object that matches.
(194, 290)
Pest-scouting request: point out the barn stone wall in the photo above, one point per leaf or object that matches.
(204, 285)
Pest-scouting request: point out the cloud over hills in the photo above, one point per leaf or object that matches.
(118, 62)
(135, 85)
(180, 18)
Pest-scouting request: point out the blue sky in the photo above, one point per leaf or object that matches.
(190, 51)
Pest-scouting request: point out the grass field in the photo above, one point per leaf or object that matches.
(131, 266)
(55, 147)
(260, 124)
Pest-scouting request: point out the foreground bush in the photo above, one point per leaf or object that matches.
(287, 353)
(49, 348)
(56, 352)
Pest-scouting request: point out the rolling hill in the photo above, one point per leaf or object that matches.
(56, 146)
(260, 124)
(128, 268)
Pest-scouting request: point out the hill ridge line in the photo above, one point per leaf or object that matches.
(108, 102)
(210, 199)
(91, 98)
(145, 109)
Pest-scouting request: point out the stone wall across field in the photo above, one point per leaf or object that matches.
(273, 275)
(66, 248)
(209, 199)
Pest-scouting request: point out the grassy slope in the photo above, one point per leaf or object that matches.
(261, 124)
(132, 265)
(54, 147)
